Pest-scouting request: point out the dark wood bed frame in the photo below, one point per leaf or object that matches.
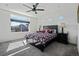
(43, 46)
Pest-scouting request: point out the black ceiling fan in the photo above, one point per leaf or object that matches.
(33, 8)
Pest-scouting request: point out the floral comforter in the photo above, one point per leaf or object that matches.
(41, 37)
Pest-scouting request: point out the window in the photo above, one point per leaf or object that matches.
(19, 24)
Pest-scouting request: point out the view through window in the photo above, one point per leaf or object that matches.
(19, 23)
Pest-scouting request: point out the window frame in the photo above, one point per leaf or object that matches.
(20, 21)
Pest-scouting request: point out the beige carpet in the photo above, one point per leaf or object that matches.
(55, 49)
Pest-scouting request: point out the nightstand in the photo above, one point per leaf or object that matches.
(62, 38)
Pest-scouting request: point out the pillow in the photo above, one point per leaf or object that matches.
(46, 30)
(42, 31)
(54, 31)
(49, 31)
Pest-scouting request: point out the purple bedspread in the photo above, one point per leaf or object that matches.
(41, 37)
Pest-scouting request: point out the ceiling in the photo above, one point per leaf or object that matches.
(19, 8)
(50, 8)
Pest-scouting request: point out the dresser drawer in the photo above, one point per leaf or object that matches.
(62, 38)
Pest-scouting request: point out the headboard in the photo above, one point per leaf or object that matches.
(51, 27)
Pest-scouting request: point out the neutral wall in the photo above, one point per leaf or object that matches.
(78, 27)
(78, 39)
(69, 11)
(5, 28)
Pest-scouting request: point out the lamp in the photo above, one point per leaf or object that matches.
(62, 26)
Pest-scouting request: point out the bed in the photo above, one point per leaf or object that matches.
(41, 39)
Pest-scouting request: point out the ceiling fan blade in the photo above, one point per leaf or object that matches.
(36, 4)
(40, 9)
(27, 6)
(28, 10)
(35, 12)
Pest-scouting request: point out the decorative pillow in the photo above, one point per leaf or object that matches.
(54, 31)
(49, 31)
(42, 31)
(45, 30)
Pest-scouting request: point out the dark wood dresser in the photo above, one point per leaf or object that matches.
(62, 38)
